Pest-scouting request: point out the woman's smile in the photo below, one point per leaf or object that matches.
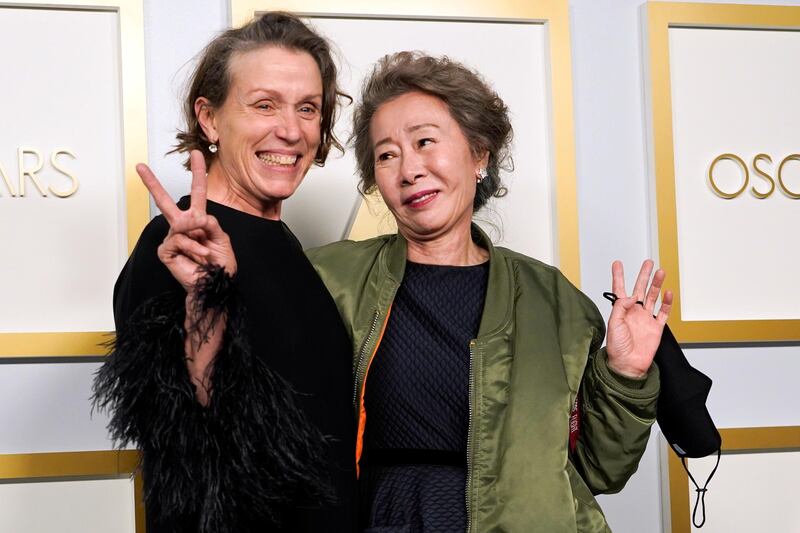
(276, 160)
(421, 199)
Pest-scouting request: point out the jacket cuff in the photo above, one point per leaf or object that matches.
(643, 389)
(625, 381)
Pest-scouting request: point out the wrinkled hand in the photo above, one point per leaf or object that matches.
(633, 332)
(195, 238)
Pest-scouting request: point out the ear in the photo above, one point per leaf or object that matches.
(206, 117)
(482, 160)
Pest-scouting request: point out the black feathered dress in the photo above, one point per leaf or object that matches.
(274, 450)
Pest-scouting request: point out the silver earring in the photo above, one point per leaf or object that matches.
(482, 174)
(212, 148)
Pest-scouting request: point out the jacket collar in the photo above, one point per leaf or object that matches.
(499, 289)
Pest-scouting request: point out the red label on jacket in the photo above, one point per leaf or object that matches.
(574, 424)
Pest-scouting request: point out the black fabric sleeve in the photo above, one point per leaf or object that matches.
(144, 275)
(227, 467)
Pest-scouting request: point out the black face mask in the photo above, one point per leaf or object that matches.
(682, 414)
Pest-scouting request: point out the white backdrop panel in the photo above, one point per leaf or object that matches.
(735, 91)
(93, 506)
(45, 408)
(320, 210)
(749, 492)
(60, 90)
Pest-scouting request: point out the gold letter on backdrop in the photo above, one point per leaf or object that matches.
(30, 173)
(764, 175)
(9, 186)
(54, 162)
(731, 157)
(790, 194)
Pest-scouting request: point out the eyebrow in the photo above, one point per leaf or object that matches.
(275, 94)
(410, 129)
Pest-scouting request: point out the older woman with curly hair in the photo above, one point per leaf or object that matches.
(485, 401)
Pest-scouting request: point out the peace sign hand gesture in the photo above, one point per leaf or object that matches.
(633, 332)
(195, 238)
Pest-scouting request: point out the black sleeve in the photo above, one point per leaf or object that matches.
(144, 276)
(227, 467)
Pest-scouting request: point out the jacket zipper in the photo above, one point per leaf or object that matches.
(469, 436)
(360, 360)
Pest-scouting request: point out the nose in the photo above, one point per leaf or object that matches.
(412, 167)
(289, 128)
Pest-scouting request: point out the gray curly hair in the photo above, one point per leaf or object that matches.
(473, 104)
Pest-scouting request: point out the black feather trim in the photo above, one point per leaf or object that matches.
(233, 466)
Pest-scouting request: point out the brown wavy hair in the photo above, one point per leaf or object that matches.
(211, 78)
(473, 104)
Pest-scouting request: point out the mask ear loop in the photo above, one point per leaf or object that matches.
(611, 297)
(701, 493)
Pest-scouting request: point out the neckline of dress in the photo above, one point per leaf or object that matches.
(237, 212)
(430, 266)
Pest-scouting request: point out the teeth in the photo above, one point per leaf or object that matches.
(421, 198)
(276, 159)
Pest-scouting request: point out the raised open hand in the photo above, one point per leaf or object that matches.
(195, 238)
(633, 332)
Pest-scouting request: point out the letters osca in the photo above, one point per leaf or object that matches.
(763, 168)
(54, 180)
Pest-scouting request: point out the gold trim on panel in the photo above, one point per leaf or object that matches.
(661, 16)
(553, 13)
(134, 130)
(77, 466)
(734, 440)
(518, 10)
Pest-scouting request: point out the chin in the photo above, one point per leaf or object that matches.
(280, 186)
(279, 193)
(428, 222)
(424, 230)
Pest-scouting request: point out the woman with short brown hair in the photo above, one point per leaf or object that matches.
(262, 440)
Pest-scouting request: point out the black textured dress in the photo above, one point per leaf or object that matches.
(286, 354)
(413, 470)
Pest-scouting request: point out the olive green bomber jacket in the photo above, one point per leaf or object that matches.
(538, 344)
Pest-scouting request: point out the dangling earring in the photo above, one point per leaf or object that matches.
(482, 174)
(212, 148)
